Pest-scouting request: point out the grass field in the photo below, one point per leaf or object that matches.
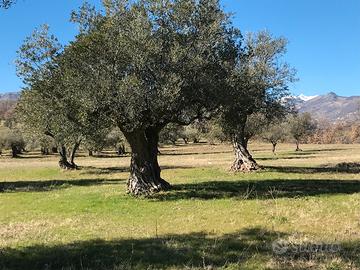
(212, 219)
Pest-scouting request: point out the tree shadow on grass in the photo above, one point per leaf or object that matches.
(115, 156)
(305, 154)
(345, 167)
(90, 170)
(260, 189)
(49, 185)
(315, 151)
(282, 157)
(185, 251)
(172, 153)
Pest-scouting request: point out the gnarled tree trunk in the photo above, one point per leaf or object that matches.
(63, 162)
(243, 160)
(145, 171)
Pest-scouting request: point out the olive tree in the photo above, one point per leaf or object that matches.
(155, 62)
(275, 133)
(301, 126)
(171, 133)
(12, 139)
(214, 132)
(115, 139)
(47, 105)
(257, 86)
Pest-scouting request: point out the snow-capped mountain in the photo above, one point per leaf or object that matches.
(330, 107)
(306, 98)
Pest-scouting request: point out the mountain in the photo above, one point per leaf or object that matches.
(305, 98)
(7, 103)
(11, 96)
(330, 107)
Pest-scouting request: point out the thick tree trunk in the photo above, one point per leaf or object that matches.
(63, 162)
(144, 168)
(274, 147)
(243, 160)
(90, 153)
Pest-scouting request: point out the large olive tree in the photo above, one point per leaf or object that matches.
(144, 64)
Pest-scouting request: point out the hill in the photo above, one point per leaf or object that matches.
(12, 96)
(330, 107)
(7, 102)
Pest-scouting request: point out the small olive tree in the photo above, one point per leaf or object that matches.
(301, 126)
(171, 133)
(12, 139)
(275, 133)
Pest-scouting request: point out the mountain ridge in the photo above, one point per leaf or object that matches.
(9, 96)
(331, 107)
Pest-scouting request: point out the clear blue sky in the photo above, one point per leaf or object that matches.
(324, 36)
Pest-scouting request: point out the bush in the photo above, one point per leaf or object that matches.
(13, 140)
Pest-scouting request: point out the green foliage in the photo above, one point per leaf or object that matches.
(48, 106)
(115, 139)
(212, 131)
(154, 62)
(301, 126)
(43, 142)
(209, 130)
(275, 133)
(139, 65)
(257, 86)
(171, 133)
(195, 131)
(11, 139)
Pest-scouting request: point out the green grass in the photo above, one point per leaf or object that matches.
(212, 219)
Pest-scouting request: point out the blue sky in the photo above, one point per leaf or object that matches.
(324, 36)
